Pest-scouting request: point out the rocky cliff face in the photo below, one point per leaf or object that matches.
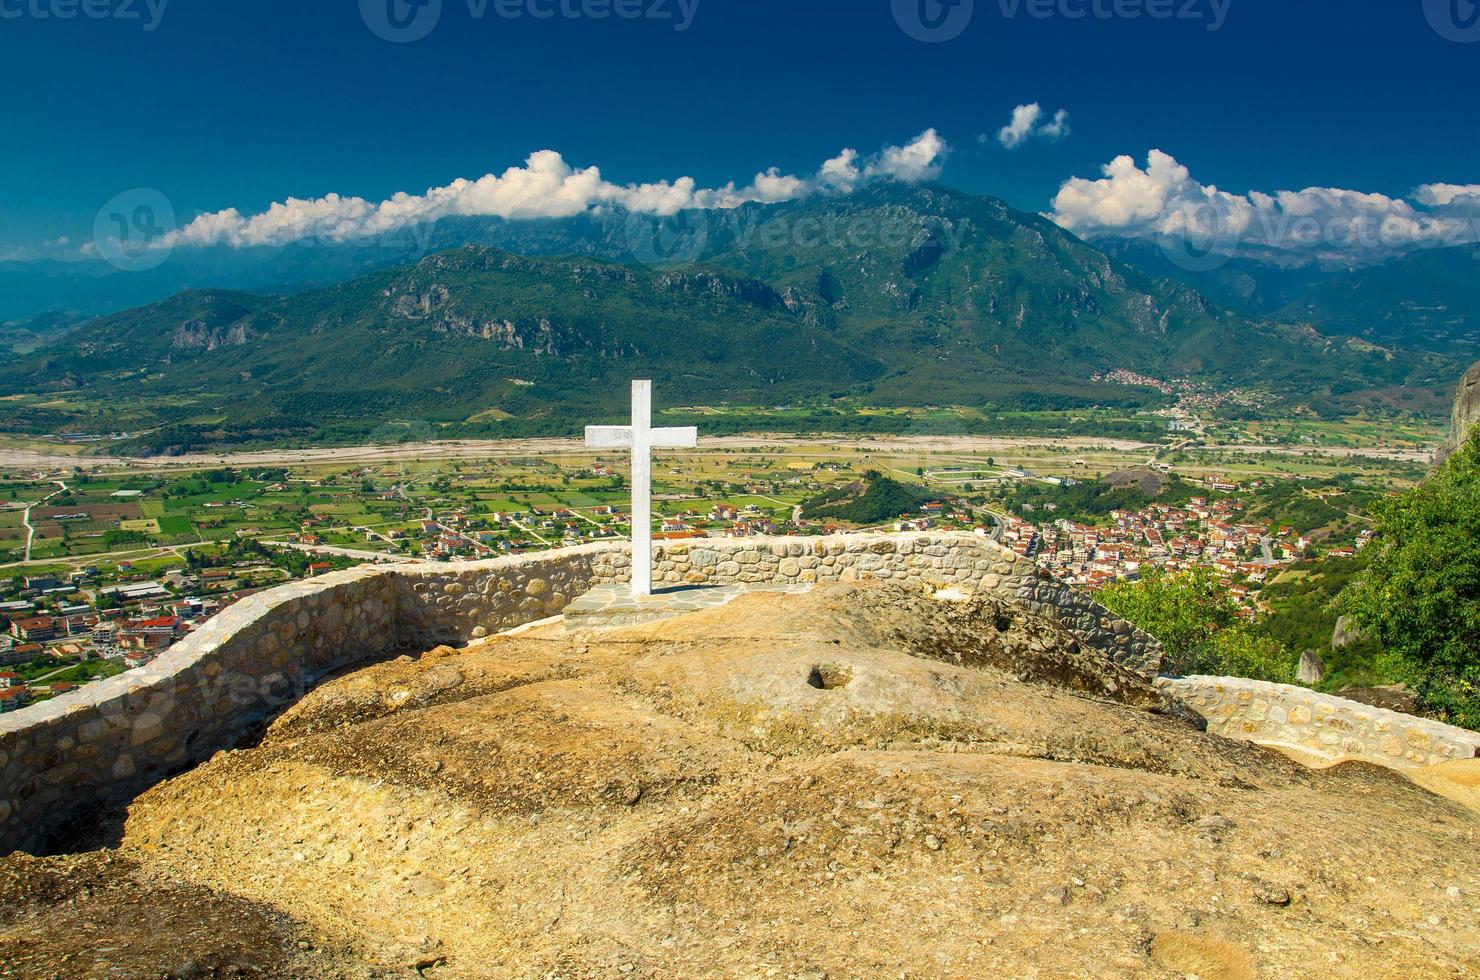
(1466, 413)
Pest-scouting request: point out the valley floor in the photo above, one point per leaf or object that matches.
(32, 456)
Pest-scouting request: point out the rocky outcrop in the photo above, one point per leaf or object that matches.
(260, 656)
(1346, 634)
(1466, 414)
(200, 335)
(860, 781)
(1311, 671)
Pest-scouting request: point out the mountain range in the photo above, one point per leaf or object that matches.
(1427, 300)
(896, 295)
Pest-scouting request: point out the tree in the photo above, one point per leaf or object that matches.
(1420, 598)
(1198, 624)
(1183, 611)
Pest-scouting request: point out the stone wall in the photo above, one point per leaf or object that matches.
(460, 602)
(108, 741)
(1329, 727)
(968, 562)
(111, 739)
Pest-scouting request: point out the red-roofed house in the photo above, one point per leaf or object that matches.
(149, 634)
(34, 630)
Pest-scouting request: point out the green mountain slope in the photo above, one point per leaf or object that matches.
(987, 293)
(462, 333)
(896, 295)
(1428, 300)
(25, 336)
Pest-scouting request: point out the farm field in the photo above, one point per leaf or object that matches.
(153, 511)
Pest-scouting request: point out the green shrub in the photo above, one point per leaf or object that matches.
(1198, 624)
(1420, 598)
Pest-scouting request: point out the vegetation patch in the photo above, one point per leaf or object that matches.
(873, 500)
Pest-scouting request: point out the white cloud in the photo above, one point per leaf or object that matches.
(913, 162)
(1447, 195)
(841, 173)
(1058, 128)
(1027, 123)
(547, 187)
(1164, 200)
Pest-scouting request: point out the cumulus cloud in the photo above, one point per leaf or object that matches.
(547, 187)
(1028, 123)
(1449, 195)
(841, 173)
(1164, 201)
(913, 162)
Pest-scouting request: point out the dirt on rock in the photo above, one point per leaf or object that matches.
(855, 782)
(103, 915)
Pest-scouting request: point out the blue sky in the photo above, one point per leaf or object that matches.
(240, 103)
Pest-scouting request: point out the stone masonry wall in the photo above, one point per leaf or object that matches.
(968, 562)
(459, 602)
(1329, 727)
(114, 738)
(110, 740)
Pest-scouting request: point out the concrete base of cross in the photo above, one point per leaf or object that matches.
(612, 606)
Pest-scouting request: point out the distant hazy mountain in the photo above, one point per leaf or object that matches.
(93, 287)
(24, 336)
(895, 295)
(1426, 300)
(1245, 284)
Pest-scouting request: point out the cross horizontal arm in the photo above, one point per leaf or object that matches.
(685, 438)
(609, 436)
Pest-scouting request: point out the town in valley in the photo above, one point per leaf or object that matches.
(107, 564)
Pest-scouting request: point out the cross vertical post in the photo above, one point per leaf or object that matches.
(642, 488)
(642, 439)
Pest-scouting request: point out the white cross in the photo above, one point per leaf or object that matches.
(642, 439)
